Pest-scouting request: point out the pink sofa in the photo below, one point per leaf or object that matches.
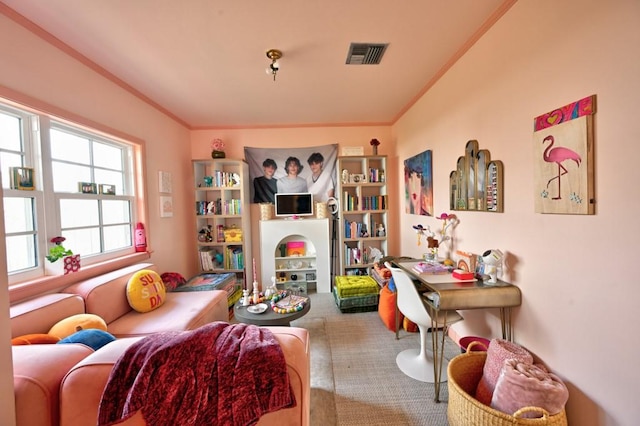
(82, 387)
(40, 370)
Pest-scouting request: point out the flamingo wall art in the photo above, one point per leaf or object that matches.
(563, 150)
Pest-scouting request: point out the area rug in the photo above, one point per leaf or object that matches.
(354, 376)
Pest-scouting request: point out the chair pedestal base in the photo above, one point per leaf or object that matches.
(419, 367)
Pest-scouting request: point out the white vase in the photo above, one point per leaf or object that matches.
(53, 268)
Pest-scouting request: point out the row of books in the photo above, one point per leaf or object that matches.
(376, 175)
(226, 207)
(353, 229)
(222, 179)
(355, 255)
(372, 202)
(211, 260)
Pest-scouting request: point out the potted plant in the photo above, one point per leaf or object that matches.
(61, 261)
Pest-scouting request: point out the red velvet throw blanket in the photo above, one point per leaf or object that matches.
(220, 373)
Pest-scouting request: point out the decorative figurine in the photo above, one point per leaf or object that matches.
(245, 297)
(256, 293)
(380, 232)
(271, 291)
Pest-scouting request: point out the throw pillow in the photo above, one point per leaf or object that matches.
(93, 338)
(34, 339)
(387, 308)
(145, 291)
(172, 280)
(75, 323)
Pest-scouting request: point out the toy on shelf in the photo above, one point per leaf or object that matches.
(492, 260)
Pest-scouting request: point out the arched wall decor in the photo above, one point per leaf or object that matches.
(476, 183)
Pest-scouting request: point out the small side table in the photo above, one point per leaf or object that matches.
(269, 317)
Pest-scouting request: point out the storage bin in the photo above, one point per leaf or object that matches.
(464, 372)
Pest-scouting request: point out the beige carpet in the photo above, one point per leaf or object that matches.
(354, 377)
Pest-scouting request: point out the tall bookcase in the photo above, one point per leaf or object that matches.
(362, 189)
(223, 220)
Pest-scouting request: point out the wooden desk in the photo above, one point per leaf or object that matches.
(458, 295)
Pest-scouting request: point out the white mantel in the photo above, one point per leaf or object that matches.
(316, 231)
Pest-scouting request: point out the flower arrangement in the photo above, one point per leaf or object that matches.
(374, 143)
(58, 251)
(217, 147)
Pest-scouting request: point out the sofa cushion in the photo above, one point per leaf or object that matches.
(39, 314)
(145, 291)
(180, 311)
(75, 323)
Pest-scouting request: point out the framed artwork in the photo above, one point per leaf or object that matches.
(418, 183)
(166, 206)
(164, 182)
(87, 188)
(563, 159)
(107, 189)
(270, 173)
(476, 183)
(22, 178)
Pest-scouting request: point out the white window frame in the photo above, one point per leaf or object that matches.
(37, 154)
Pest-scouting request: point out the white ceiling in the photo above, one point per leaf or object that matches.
(203, 61)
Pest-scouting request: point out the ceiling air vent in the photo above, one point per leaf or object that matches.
(366, 53)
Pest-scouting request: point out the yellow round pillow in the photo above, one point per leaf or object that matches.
(74, 323)
(145, 291)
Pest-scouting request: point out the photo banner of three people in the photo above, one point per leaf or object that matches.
(311, 169)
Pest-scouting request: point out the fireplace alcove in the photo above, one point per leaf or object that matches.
(314, 232)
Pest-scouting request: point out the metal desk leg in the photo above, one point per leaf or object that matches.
(397, 320)
(437, 342)
(505, 322)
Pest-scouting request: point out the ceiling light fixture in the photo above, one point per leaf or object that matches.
(274, 66)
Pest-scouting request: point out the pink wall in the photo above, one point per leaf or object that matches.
(579, 304)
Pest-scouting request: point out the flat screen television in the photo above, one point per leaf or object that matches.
(295, 204)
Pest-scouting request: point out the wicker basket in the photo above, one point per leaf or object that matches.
(465, 371)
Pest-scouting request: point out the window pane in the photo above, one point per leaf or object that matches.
(10, 131)
(18, 215)
(107, 156)
(9, 160)
(78, 213)
(67, 176)
(68, 147)
(117, 237)
(84, 242)
(115, 212)
(111, 178)
(20, 252)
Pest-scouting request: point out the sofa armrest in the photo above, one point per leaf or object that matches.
(37, 373)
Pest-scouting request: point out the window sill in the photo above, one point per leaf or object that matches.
(48, 284)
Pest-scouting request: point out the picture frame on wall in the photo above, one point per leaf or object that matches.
(166, 206)
(563, 142)
(165, 182)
